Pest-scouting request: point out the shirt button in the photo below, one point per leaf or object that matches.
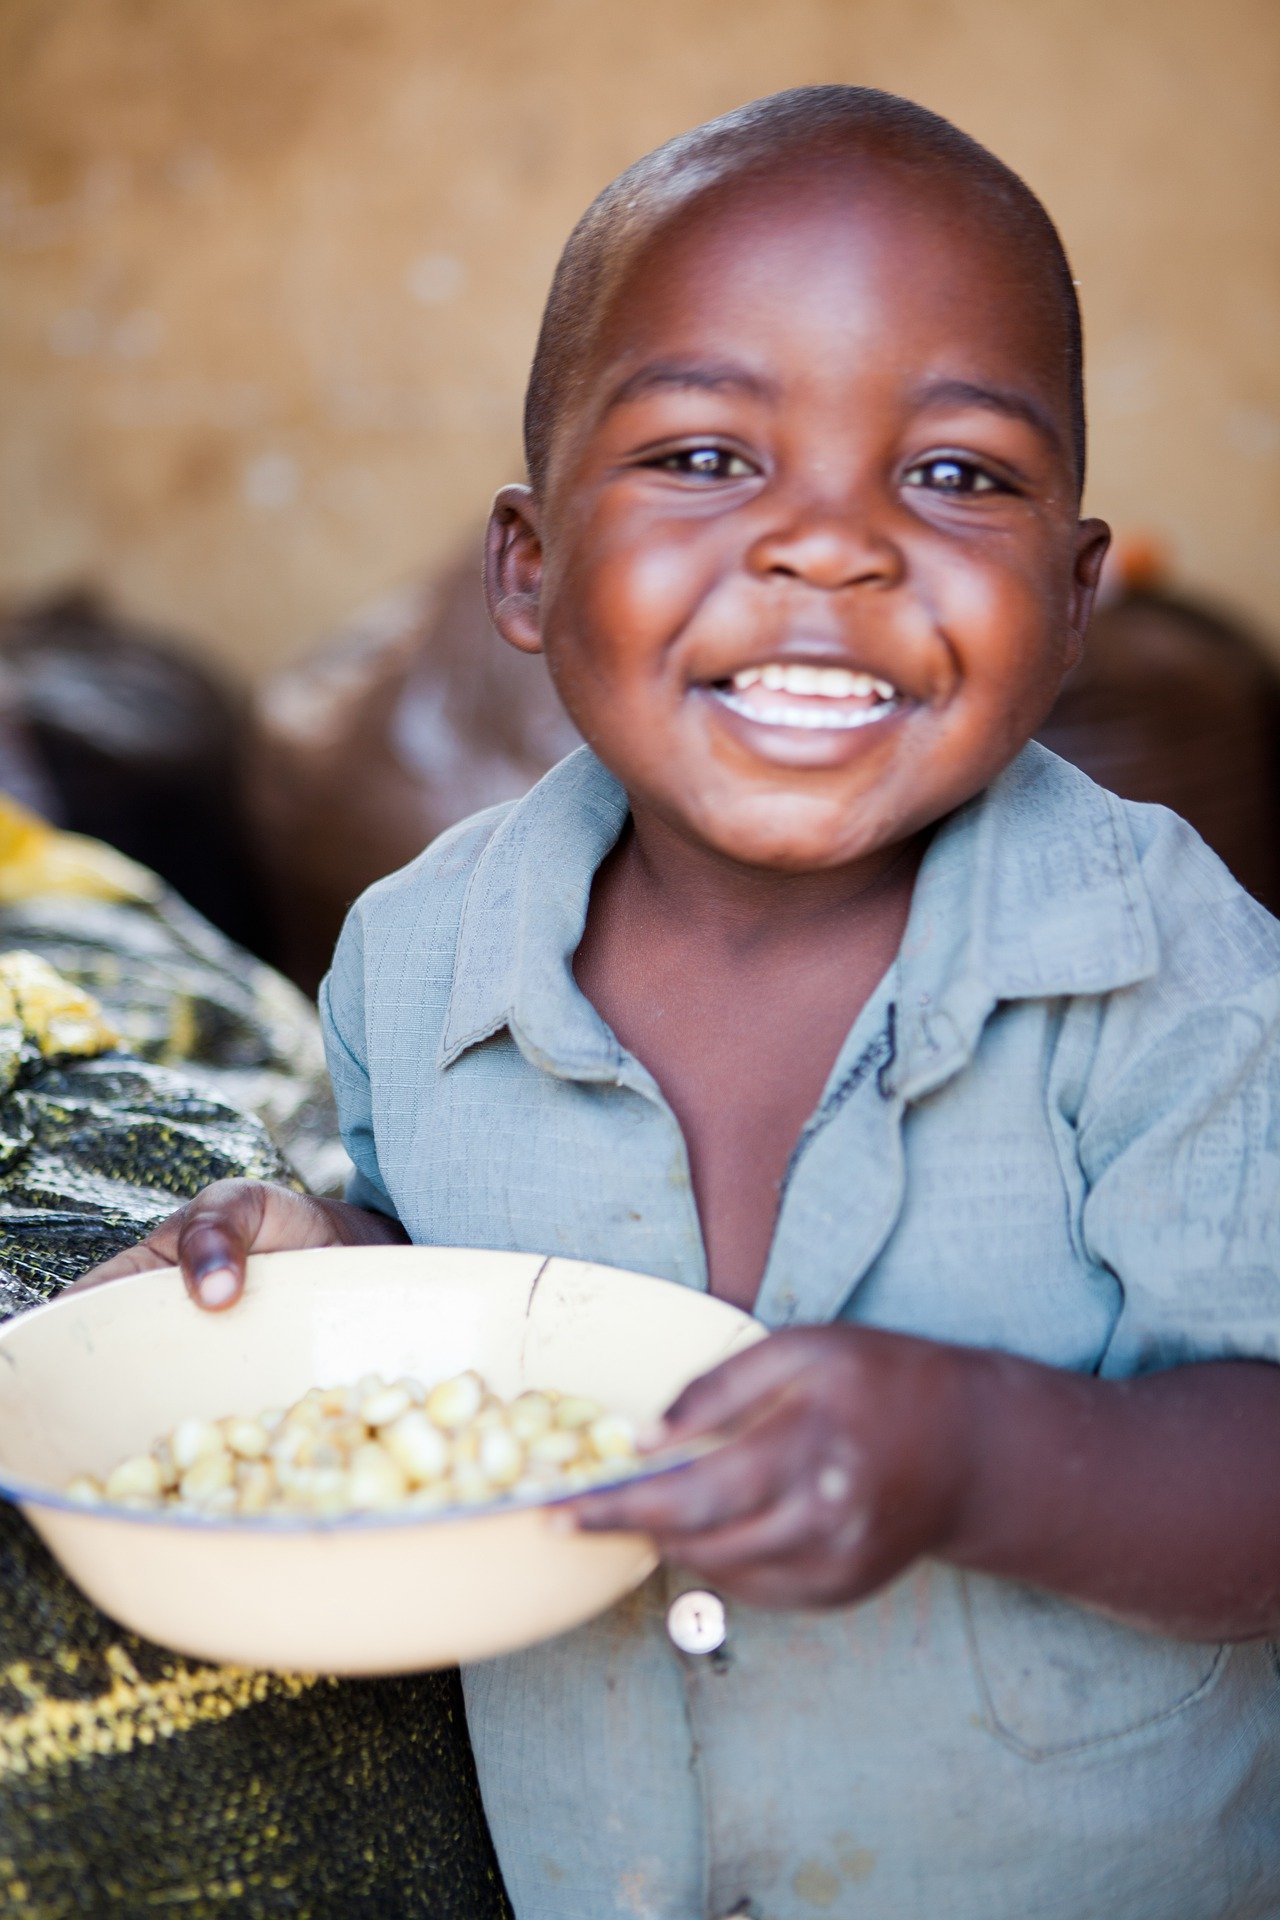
(696, 1622)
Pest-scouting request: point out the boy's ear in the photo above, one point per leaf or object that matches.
(513, 568)
(1093, 537)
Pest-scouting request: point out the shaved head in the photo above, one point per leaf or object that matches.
(827, 131)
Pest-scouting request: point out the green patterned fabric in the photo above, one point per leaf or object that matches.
(182, 995)
(95, 1153)
(135, 1783)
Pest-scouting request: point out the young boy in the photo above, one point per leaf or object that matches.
(811, 982)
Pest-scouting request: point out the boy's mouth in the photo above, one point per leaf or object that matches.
(794, 694)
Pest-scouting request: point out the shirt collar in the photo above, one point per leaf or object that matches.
(522, 920)
(1032, 890)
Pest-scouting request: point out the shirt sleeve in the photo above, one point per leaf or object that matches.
(1182, 1160)
(341, 1003)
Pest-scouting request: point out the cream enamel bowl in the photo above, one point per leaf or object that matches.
(103, 1373)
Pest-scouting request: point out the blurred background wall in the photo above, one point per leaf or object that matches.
(271, 273)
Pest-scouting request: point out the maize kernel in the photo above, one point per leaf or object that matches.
(136, 1478)
(374, 1447)
(454, 1403)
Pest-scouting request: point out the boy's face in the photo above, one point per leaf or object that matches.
(807, 566)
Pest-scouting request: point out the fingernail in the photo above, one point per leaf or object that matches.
(651, 1436)
(216, 1288)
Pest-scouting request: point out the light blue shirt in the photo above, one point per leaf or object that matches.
(1054, 1129)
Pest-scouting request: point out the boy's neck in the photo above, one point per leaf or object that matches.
(736, 988)
(737, 907)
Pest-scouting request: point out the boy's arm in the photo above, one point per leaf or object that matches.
(854, 1451)
(1158, 1496)
(1155, 1500)
(1151, 1493)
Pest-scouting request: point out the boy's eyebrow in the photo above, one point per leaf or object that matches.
(700, 375)
(1006, 400)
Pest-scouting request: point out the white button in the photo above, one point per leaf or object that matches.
(696, 1621)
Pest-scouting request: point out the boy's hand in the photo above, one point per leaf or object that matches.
(845, 1459)
(213, 1235)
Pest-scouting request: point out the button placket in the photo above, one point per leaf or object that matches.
(828, 1235)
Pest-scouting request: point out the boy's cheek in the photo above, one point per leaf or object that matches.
(1010, 638)
(640, 596)
(984, 602)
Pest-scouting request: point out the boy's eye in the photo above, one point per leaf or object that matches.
(705, 463)
(946, 474)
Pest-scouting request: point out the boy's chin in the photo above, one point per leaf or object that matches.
(777, 834)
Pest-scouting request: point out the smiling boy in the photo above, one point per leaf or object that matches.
(811, 982)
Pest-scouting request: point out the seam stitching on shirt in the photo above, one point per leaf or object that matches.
(879, 1053)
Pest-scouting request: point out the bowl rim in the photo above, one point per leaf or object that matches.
(26, 1493)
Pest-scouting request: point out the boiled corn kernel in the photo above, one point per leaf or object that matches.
(555, 1448)
(419, 1449)
(455, 1403)
(531, 1414)
(574, 1411)
(248, 1439)
(293, 1446)
(326, 1490)
(211, 1474)
(333, 1399)
(191, 1440)
(375, 1447)
(469, 1487)
(501, 1459)
(375, 1480)
(256, 1487)
(612, 1437)
(387, 1404)
(138, 1477)
(162, 1453)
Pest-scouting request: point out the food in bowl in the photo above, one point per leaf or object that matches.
(98, 1375)
(375, 1446)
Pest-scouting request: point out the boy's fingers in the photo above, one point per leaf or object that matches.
(686, 1501)
(218, 1230)
(743, 1478)
(160, 1249)
(780, 1532)
(212, 1236)
(784, 1538)
(223, 1225)
(733, 1391)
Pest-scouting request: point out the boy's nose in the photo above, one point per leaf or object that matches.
(828, 549)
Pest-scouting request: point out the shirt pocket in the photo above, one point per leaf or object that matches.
(1056, 1679)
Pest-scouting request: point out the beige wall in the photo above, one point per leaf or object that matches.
(272, 271)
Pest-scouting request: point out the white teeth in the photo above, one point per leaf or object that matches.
(830, 717)
(827, 683)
